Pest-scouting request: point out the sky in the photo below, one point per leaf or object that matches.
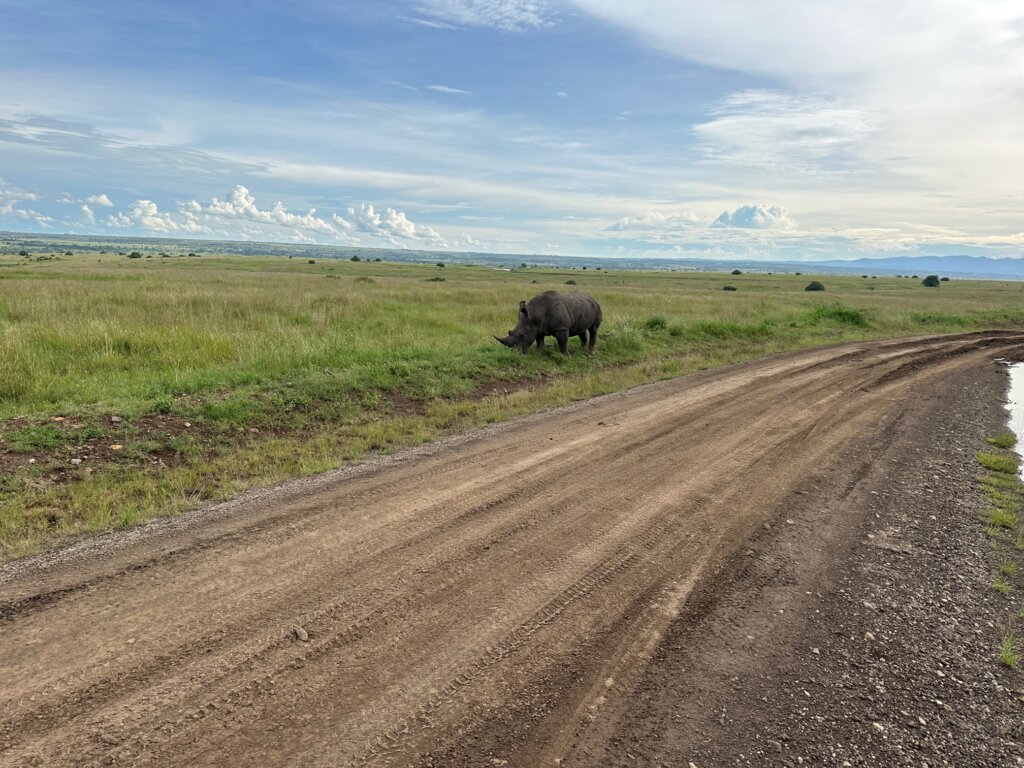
(789, 130)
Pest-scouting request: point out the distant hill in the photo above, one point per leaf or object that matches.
(921, 265)
(959, 266)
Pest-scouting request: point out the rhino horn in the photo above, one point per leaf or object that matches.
(504, 341)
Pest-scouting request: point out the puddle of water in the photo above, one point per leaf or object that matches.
(1016, 407)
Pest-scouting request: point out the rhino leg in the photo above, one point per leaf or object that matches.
(583, 339)
(540, 342)
(593, 338)
(562, 337)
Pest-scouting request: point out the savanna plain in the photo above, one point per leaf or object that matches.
(133, 388)
(799, 544)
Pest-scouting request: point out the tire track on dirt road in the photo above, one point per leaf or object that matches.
(439, 591)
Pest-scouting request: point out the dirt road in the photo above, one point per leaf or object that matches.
(492, 600)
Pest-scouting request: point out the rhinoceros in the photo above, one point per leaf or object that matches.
(555, 314)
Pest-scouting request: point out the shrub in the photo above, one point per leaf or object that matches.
(440, 263)
(943, 279)
(311, 261)
(932, 281)
(728, 287)
(355, 257)
(735, 272)
(435, 280)
(656, 323)
(23, 253)
(570, 282)
(837, 313)
(134, 255)
(193, 255)
(814, 285)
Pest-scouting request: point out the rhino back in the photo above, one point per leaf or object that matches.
(574, 312)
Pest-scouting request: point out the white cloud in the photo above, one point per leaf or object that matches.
(391, 225)
(648, 221)
(770, 129)
(448, 89)
(938, 84)
(240, 204)
(145, 215)
(509, 15)
(817, 42)
(31, 215)
(11, 197)
(429, 23)
(101, 199)
(87, 214)
(755, 217)
(400, 84)
(239, 215)
(468, 241)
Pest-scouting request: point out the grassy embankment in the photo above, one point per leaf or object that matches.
(134, 388)
(1003, 517)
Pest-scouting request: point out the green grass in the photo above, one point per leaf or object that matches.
(1001, 585)
(283, 368)
(1007, 465)
(1008, 651)
(1004, 493)
(35, 438)
(1004, 439)
(997, 482)
(1000, 518)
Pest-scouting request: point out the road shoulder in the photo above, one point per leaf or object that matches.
(859, 629)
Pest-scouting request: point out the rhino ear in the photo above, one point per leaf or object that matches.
(522, 309)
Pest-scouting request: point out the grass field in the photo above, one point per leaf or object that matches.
(131, 388)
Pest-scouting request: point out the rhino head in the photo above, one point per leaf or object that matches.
(524, 334)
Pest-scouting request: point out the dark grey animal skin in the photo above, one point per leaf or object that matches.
(555, 314)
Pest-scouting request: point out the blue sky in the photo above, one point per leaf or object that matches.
(788, 130)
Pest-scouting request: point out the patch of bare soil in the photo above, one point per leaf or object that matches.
(86, 445)
(590, 586)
